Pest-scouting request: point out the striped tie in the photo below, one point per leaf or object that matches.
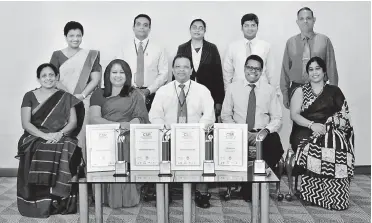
(140, 66)
(251, 111)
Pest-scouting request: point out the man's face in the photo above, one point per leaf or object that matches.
(250, 29)
(252, 71)
(141, 28)
(305, 21)
(182, 70)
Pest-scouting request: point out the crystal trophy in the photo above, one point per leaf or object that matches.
(259, 163)
(121, 166)
(165, 163)
(208, 164)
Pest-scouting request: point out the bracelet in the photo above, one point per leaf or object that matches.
(83, 95)
(310, 124)
(63, 134)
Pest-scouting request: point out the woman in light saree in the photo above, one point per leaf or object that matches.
(48, 151)
(323, 140)
(80, 71)
(120, 103)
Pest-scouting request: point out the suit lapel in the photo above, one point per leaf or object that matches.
(205, 52)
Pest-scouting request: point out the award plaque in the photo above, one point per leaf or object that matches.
(230, 146)
(208, 164)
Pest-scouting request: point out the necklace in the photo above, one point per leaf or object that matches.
(315, 94)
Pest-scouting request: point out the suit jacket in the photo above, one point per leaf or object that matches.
(209, 72)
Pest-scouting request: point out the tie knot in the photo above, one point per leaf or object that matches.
(181, 86)
(252, 86)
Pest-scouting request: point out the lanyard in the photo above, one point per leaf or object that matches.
(178, 97)
(135, 47)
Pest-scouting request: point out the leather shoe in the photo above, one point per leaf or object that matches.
(202, 200)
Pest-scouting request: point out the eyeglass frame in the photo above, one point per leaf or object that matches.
(200, 28)
(255, 69)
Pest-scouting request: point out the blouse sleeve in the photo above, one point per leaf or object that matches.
(97, 98)
(96, 66)
(27, 100)
(54, 60)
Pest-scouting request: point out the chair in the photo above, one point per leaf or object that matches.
(252, 151)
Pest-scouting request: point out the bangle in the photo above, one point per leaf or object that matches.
(83, 95)
(310, 124)
(63, 134)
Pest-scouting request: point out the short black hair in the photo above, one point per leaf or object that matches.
(127, 88)
(142, 16)
(44, 65)
(199, 20)
(305, 8)
(319, 61)
(256, 58)
(71, 26)
(182, 56)
(249, 17)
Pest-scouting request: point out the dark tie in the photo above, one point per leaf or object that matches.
(182, 107)
(140, 66)
(305, 58)
(251, 111)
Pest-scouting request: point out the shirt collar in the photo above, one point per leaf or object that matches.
(253, 41)
(144, 42)
(303, 37)
(187, 83)
(246, 83)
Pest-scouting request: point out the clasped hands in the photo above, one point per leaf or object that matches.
(53, 137)
(318, 129)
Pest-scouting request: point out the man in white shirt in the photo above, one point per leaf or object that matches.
(238, 51)
(148, 61)
(254, 101)
(184, 101)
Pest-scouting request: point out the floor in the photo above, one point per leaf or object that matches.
(233, 211)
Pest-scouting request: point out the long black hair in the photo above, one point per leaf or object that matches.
(127, 88)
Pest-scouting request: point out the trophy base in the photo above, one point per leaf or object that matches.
(121, 174)
(165, 175)
(259, 168)
(208, 168)
(208, 174)
(165, 169)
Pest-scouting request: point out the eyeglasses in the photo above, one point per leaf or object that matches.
(200, 28)
(255, 69)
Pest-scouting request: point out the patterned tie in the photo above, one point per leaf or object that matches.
(140, 67)
(251, 111)
(182, 107)
(248, 49)
(305, 58)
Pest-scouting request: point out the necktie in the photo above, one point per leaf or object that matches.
(251, 111)
(182, 107)
(248, 49)
(140, 66)
(305, 58)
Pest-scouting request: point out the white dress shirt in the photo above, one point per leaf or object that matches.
(233, 65)
(268, 108)
(200, 104)
(196, 56)
(155, 59)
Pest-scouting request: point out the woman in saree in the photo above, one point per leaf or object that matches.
(48, 151)
(120, 103)
(80, 71)
(323, 139)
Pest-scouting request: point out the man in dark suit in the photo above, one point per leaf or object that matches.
(206, 61)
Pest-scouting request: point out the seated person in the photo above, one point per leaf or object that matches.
(323, 137)
(255, 102)
(48, 151)
(184, 101)
(120, 103)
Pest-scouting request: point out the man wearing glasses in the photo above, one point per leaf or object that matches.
(298, 51)
(255, 102)
(238, 51)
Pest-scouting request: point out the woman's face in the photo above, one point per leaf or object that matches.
(197, 30)
(117, 76)
(74, 38)
(47, 79)
(316, 73)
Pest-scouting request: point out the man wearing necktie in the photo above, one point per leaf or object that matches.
(148, 61)
(298, 51)
(184, 101)
(255, 102)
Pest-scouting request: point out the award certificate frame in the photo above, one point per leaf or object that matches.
(145, 146)
(230, 146)
(101, 147)
(186, 139)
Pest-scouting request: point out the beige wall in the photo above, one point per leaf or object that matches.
(31, 31)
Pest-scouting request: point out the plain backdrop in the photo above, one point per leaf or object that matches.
(31, 31)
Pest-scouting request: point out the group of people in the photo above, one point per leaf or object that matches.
(203, 90)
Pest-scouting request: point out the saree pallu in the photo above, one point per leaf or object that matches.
(74, 76)
(124, 109)
(326, 162)
(45, 168)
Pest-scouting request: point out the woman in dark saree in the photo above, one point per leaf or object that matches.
(48, 151)
(323, 139)
(120, 103)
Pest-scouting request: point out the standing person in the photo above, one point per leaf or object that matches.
(184, 101)
(206, 61)
(147, 60)
(298, 51)
(80, 71)
(238, 51)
